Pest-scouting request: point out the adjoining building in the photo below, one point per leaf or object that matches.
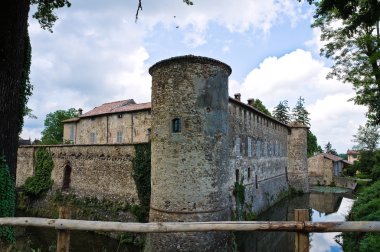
(352, 156)
(110, 123)
(325, 168)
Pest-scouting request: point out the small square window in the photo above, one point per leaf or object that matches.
(176, 125)
(120, 116)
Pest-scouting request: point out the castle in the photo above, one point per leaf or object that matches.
(203, 142)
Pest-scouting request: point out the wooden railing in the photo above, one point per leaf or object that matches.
(301, 225)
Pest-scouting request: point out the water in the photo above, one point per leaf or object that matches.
(324, 207)
(44, 240)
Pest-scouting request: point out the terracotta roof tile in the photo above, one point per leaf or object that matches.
(71, 120)
(332, 157)
(117, 107)
(352, 152)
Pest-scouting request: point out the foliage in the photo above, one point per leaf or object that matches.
(299, 112)
(312, 144)
(41, 181)
(141, 176)
(45, 12)
(367, 138)
(26, 87)
(330, 150)
(281, 112)
(53, 132)
(351, 32)
(7, 199)
(365, 208)
(368, 164)
(258, 104)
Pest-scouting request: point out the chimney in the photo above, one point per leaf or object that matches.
(80, 111)
(250, 102)
(237, 96)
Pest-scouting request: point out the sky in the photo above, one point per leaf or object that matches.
(97, 53)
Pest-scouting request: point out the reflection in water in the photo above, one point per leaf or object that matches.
(325, 207)
(321, 242)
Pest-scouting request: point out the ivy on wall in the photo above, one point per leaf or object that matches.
(41, 181)
(7, 199)
(141, 175)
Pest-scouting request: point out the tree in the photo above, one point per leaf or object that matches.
(14, 70)
(351, 32)
(312, 144)
(367, 137)
(281, 112)
(258, 104)
(299, 113)
(53, 132)
(330, 150)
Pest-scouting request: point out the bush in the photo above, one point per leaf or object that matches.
(7, 199)
(365, 208)
(41, 181)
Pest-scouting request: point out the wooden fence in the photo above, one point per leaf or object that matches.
(301, 225)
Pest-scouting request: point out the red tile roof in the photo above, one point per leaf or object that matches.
(332, 157)
(71, 120)
(352, 152)
(117, 107)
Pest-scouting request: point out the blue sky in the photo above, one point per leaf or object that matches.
(97, 54)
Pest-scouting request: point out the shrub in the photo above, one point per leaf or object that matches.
(41, 181)
(7, 199)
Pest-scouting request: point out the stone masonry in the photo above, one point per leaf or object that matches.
(190, 172)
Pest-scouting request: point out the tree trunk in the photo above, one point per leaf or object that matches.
(13, 27)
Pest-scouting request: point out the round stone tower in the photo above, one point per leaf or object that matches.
(190, 172)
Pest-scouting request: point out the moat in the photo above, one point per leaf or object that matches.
(326, 206)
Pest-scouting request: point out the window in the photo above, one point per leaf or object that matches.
(249, 172)
(265, 149)
(237, 146)
(92, 138)
(119, 138)
(249, 147)
(237, 175)
(120, 116)
(66, 177)
(258, 149)
(72, 133)
(176, 125)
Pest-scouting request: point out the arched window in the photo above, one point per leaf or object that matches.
(176, 125)
(66, 177)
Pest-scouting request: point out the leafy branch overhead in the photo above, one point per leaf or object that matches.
(45, 12)
(351, 32)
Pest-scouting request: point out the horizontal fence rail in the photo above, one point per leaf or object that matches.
(167, 227)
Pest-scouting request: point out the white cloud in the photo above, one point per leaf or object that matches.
(335, 120)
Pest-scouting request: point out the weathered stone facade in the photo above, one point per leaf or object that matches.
(326, 169)
(96, 170)
(111, 128)
(258, 155)
(297, 157)
(190, 171)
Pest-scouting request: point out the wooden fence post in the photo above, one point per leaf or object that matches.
(302, 238)
(63, 240)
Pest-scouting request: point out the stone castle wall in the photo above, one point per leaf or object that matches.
(96, 170)
(258, 155)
